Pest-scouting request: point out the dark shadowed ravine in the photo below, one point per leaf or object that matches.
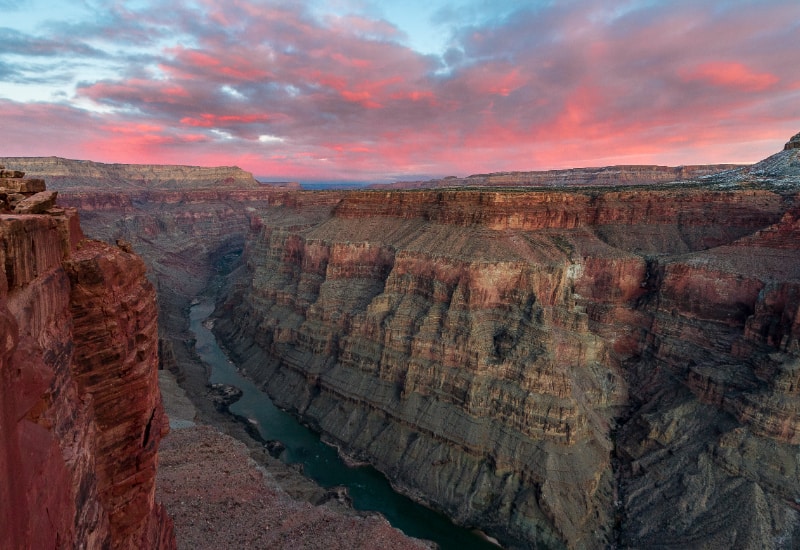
(368, 488)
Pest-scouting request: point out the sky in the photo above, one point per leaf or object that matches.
(369, 90)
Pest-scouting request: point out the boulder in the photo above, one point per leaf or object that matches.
(37, 204)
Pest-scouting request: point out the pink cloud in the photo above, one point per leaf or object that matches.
(225, 64)
(730, 75)
(567, 84)
(136, 90)
(212, 120)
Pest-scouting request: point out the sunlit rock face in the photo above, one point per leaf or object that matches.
(80, 408)
(571, 367)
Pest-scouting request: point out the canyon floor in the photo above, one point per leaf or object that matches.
(222, 493)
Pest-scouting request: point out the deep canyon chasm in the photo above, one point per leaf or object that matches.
(580, 367)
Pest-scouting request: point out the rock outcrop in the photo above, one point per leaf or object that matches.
(574, 368)
(80, 409)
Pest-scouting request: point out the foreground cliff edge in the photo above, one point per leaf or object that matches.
(80, 409)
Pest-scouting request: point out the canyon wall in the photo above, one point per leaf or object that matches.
(185, 237)
(579, 368)
(574, 368)
(80, 408)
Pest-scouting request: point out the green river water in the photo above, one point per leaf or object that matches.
(367, 487)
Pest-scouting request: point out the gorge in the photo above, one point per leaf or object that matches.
(581, 367)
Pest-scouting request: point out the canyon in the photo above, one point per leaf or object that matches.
(581, 367)
(612, 364)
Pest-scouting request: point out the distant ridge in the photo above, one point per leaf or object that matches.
(602, 176)
(67, 174)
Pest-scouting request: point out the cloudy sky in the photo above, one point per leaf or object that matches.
(382, 90)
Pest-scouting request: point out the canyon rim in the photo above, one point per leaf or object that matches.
(614, 364)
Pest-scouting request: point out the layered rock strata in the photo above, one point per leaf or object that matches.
(605, 176)
(608, 366)
(64, 174)
(186, 236)
(80, 409)
(579, 368)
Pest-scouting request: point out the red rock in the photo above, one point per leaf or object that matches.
(78, 437)
(12, 184)
(793, 143)
(36, 204)
(492, 333)
(576, 367)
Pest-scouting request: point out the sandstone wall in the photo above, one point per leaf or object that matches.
(541, 363)
(80, 409)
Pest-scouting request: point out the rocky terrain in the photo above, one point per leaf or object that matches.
(225, 494)
(610, 364)
(80, 409)
(583, 367)
(607, 175)
(221, 492)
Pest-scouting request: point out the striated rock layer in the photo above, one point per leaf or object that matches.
(562, 368)
(80, 408)
(604, 176)
(62, 174)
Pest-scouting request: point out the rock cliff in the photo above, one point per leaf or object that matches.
(570, 367)
(80, 408)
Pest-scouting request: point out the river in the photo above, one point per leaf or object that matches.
(367, 487)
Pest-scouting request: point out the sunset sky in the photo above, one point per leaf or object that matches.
(384, 90)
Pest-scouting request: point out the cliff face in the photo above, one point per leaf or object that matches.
(80, 410)
(574, 368)
(184, 236)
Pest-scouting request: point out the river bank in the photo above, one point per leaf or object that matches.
(220, 497)
(224, 490)
(367, 489)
